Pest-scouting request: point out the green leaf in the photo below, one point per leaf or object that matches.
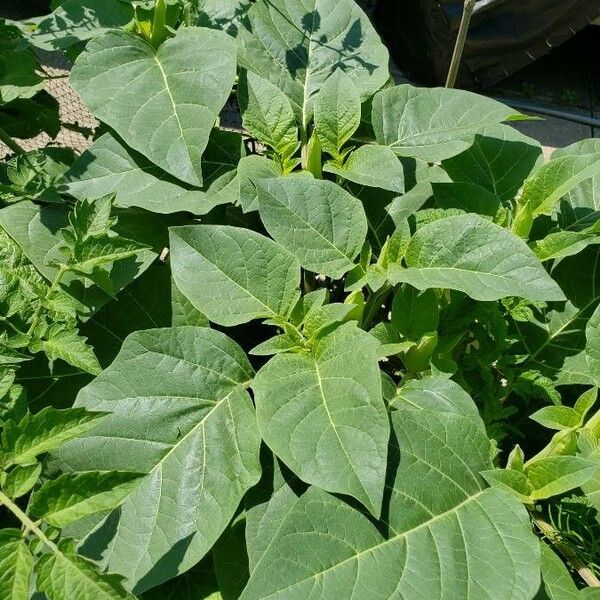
(18, 66)
(195, 436)
(554, 475)
(267, 113)
(20, 479)
(323, 414)
(499, 161)
(183, 311)
(557, 417)
(65, 574)
(166, 114)
(252, 169)
(102, 250)
(298, 46)
(72, 496)
(337, 112)
(231, 560)
(511, 481)
(318, 221)
(469, 197)
(560, 244)
(550, 182)
(477, 257)
(584, 367)
(372, 165)
(222, 14)
(25, 118)
(110, 167)
(433, 123)
(557, 581)
(75, 21)
(580, 207)
(16, 566)
(415, 313)
(233, 275)
(64, 343)
(43, 432)
(429, 535)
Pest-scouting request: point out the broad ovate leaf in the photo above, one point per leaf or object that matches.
(477, 257)
(16, 565)
(372, 165)
(233, 275)
(322, 413)
(499, 160)
(318, 221)
(267, 113)
(556, 578)
(432, 123)
(159, 102)
(194, 435)
(298, 45)
(439, 512)
(110, 167)
(337, 112)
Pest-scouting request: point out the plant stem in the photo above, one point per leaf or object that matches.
(28, 524)
(159, 31)
(567, 552)
(461, 39)
(373, 305)
(8, 141)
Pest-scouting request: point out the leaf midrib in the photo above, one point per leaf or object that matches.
(405, 534)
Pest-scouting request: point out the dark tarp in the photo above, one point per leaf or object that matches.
(504, 36)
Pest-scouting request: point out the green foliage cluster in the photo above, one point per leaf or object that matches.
(351, 352)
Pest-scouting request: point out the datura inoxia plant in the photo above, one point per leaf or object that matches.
(348, 349)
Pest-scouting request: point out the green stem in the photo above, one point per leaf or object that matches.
(461, 39)
(373, 305)
(159, 30)
(28, 524)
(8, 141)
(567, 552)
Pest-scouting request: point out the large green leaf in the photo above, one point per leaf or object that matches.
(499, 160)
(75, 21)
(438, 514)
(298, 45)
(318, 221)
(16, 566)
(109, 167)
(159, 102)
(233, 275)
(195, 436)
(432, 123)
(477, 257)
(323, 414)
